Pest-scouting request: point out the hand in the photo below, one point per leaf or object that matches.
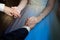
(31, 22)
(16, 12)
(8, 11)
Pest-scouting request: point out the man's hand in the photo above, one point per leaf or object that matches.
(31, 22)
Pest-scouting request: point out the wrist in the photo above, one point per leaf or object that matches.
(20, 8)
(27, 27)
(5, 8)
(38, 19)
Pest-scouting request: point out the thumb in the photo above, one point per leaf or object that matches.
(26, 21)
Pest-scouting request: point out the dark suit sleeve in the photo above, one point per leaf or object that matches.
(19, 34)
(2, 1)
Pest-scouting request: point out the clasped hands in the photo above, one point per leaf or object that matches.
(13, 11)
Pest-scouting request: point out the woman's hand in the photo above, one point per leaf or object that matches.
(12, 11)
(16, 12)
(8, 11)
(32, 21)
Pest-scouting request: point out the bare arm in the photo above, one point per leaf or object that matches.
(45, 12)
(19, 8)
(22, 4)
(32, 21)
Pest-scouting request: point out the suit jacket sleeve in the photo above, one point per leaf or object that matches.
(19, 34)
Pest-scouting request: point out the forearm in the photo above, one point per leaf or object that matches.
(46, 11)
(22, 5)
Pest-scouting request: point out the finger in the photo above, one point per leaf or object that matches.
(17, 14)
(10, 14)
(14, 14)
(28, 23)
(16, 11)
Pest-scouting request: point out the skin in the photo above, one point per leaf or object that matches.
(8, 10)
(20, 7)
(11, 12)
(15, 11)
(32, 21)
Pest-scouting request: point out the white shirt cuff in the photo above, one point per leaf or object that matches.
(28, 28)
(2, 7)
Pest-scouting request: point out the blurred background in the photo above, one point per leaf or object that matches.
(6, 20)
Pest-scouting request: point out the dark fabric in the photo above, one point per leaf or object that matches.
(2, 27)
(19, 34)
(59, 1)
(2, 1)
